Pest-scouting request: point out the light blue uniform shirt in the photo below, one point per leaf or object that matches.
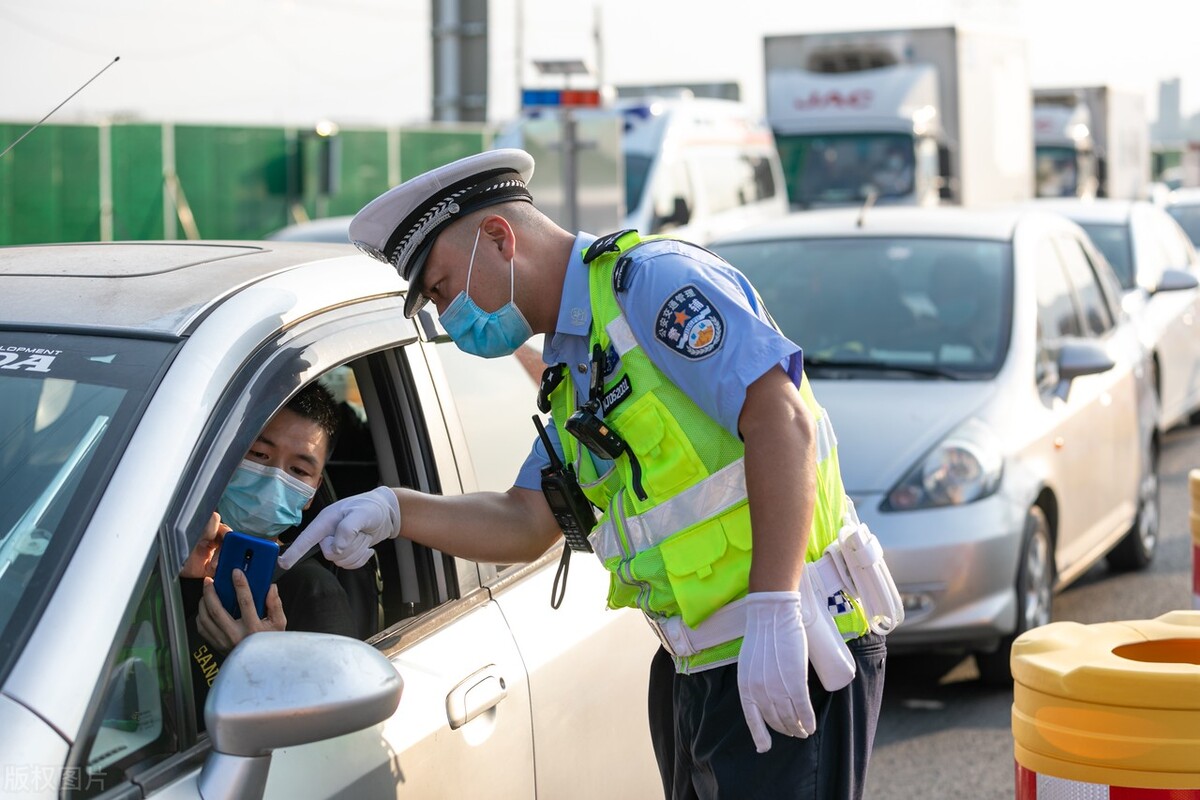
(696, 318)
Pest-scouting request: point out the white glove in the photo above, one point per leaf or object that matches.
(349, 528)
(773, 668)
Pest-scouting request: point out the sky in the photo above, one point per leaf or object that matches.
(294, 61)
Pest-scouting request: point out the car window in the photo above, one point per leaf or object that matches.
(67, 404)
(731, 179)
(1057, 316)
(1108, 278)
(1188, 216)
(138, 720)
(1175, 244)
(764, 177)
(1097, 316)
(1115, 243)
(637, 170)
(673, 183)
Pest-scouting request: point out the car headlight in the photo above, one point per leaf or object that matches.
(965, 467)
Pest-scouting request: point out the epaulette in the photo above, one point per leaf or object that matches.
(552, 376)
(605, 244)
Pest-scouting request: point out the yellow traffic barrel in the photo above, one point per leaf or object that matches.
(1108, 711)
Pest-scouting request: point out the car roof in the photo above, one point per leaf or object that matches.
(1184, 196)
(1101, 210)
(950, 222)
(163, 289)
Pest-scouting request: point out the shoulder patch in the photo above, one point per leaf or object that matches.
(605, 244)
(689, 324)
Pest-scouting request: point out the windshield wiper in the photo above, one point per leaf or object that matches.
(817, 364)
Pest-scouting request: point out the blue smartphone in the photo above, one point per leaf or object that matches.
(255, 557)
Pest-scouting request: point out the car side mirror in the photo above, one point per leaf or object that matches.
(680, 213)
(1174, 280)
(1077, 358)
(285, 688)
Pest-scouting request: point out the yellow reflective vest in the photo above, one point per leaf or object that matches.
(675, 532)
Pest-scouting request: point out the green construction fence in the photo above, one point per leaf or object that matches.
(138, 181)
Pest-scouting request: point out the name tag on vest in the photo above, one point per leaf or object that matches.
(616, 395)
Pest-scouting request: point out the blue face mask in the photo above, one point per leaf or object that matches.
(263, 501)
(480, 333)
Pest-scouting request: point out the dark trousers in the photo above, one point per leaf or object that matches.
(705, 751)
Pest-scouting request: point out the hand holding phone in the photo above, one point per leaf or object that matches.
(255, 557)
(222, 631)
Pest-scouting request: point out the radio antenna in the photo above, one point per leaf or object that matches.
(57, 107)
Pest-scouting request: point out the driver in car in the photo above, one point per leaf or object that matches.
(269, 490)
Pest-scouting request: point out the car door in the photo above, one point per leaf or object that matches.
(1077, 456)
(1111, 411)
(462, 728)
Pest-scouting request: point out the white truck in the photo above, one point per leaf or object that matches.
(910, 116)
(1091, 141)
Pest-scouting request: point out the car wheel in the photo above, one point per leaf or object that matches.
(1035, 596)
(1136, 549)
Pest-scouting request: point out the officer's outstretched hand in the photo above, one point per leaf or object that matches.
(773, 668)
(349, 528)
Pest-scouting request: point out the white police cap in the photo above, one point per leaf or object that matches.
(400, 226)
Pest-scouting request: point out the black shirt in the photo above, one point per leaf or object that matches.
(313, 600)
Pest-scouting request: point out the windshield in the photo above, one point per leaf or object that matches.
(1188, 218)
(1114, 244)
(1056, 172)
(838, 168)
(890, 307)
(67, 404)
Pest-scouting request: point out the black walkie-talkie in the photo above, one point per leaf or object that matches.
(570, 506)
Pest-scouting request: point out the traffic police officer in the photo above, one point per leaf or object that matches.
(717, 474)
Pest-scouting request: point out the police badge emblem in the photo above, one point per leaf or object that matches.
(689, 324)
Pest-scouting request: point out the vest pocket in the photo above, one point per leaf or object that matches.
(708, 564)
(669, 462)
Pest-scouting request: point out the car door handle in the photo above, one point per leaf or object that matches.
(479, 692)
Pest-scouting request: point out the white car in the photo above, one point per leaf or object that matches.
(133, 378)
(991, 402)
(1158, 268)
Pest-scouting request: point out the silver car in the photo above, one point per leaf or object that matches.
(1157, 266)
(993, 409)
(133, 378)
